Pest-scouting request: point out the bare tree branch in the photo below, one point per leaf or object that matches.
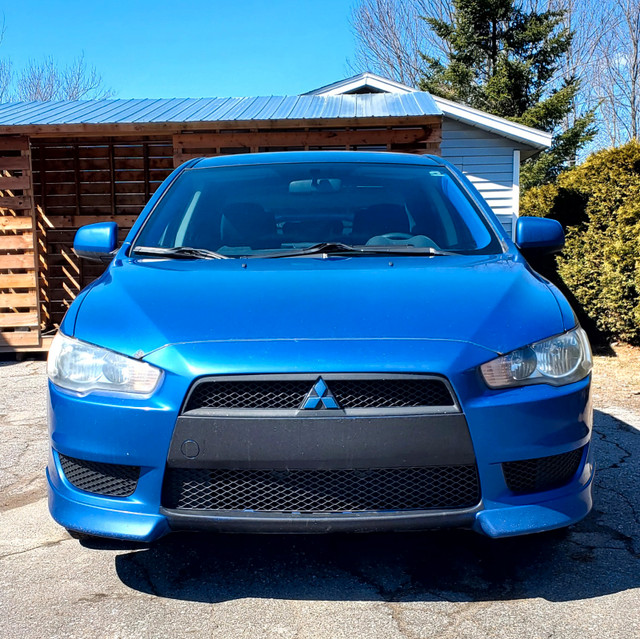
(45, 81)
(616, 74)
(6, 73)
(391, 36)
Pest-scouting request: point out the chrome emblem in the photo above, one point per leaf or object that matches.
(319, 397)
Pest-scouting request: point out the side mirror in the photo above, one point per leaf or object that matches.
(96, 242)
(536, 236)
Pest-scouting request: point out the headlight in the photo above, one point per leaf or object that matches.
(84, 368)
(559, 360)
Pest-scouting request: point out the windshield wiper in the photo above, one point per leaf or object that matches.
(333, 248)
(337, 248)
(184, 252)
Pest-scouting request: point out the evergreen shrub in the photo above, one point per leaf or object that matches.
(598, 203)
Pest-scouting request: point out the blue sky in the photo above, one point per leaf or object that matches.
(188, 49)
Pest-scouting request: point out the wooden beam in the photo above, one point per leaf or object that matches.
(76, 221)
(112, 169)
(155, 128)
(22, 260)
(17, 163)
(23, 241)
(9, 340)
(18, 300)
(14, 143)
(34, 255)
(20, 280)
(302, 138)
(155, 140)
(14, 183)
(18, 319)
(147, 172)
(15, 203)
(11, 223)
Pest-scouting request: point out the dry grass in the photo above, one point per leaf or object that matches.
(616, 380)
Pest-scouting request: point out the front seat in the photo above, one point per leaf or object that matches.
(379, 219)
(248, 224)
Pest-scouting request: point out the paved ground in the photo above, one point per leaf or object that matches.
(582, 584)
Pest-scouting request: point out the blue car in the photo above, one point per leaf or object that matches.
(318, 342)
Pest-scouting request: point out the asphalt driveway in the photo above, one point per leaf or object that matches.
(580, 584)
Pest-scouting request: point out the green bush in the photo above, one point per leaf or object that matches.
(598, 203)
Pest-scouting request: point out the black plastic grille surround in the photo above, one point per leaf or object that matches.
(113, 480)
(349, 393)
(322, 491)
(542, 473)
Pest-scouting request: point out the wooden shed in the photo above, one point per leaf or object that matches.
(66, 164)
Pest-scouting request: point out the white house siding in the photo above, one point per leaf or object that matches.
(488, 161)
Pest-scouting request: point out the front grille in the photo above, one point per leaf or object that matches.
(349, 393)
(542, 473)
(114, 480)
(322, 491)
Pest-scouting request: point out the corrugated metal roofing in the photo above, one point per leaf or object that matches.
(500, 126)
(298, 107)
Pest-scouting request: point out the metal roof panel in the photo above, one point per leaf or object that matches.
(203, 108)
(253, 108)
(270, 107)
(222, 112)
(175, 111)
(100, 109)
(284, 109)
(141, 110)
(347, 106)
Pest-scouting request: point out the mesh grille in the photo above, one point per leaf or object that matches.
(543, 473)
(263, 394)
(349, 393)
(390, 393)
(322, 491)
(103, 479)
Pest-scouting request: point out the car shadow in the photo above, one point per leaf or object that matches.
(598, 556)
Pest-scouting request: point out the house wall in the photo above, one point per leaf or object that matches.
(488, 161)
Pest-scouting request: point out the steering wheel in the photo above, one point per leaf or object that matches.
(396, 236)
(419, 241)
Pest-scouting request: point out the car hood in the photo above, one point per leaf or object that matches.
(141, 305)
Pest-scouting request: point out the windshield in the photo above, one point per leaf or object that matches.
(256, 210)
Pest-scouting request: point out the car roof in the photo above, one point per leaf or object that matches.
(295, 157)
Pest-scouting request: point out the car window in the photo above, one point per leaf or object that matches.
(258, 209)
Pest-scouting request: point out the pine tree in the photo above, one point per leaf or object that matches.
(506, 61)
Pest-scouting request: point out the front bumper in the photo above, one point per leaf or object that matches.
(118, 520)
(504, 426)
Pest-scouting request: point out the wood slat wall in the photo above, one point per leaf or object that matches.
(19, 308)
(78, 182)
(410, 139)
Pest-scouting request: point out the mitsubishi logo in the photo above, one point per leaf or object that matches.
(319, 397)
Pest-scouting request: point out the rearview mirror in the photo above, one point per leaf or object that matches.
(539, 236)
(315, 185)
(96, 242)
